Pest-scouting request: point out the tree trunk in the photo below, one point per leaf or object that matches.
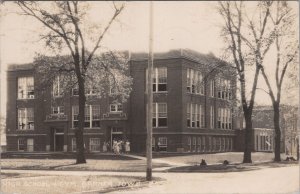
(277, 131)
(248, 137)
(80, 157)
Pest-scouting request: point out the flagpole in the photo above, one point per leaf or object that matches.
(149, 98)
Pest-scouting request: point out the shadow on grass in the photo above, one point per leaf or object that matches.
(238, 167)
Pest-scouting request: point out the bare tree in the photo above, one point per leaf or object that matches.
(286, 44)
(249, 39)
(63, 21)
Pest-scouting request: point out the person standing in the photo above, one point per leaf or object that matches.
(127, 147)
(104, 146)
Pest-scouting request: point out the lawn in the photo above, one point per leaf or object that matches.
(69, 164)
(61, 184)
(232, 157)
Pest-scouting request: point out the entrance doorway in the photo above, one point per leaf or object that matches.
(58, 140)
(116, 134)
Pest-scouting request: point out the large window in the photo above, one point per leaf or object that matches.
(95, 144)
(162, 143)
(212, 88)
(159, 115)
(25, 87)
(91, 116)
(159, 79)
(203, 144)
(224, 89)
(116, 108)
(224, 118)
(212, 117)
(195, 115)
(73, 144)
(25, 119)
(57, 87)
(195, 82)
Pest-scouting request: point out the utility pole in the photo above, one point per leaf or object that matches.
(149, 98)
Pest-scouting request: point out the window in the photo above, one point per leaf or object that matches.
(214, 144)
(73, 144)
(224, 118)
(189, 142)
(203, 144)
(231, 144)
(91, 116)
(116, 108)
(159, 77)
(25, 119)
(57, 110)
(25, 87)
(212, 117)
(202, 122)
(30, 145)
(224, 89)
(159, 115)
(188, 114)
(162, 143)
(21, 144)
(199, 144)
(95, 144)
(195, 82)
(198, 115)
(212, 88)
(75, 112)
(209, 144)
(194, 109)
(90, 91)
(194, 144)
(57, 87)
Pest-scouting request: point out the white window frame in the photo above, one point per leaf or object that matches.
(73, 144)
(203, 144)
(56, 87)
(75, 109)
(93, 140)
(23, 85)
(23, 143)
(194, 140)
(212, 117)
(57, 110)
(115, 108)
(212, 88)
(158, 115)
(163, 142)
(199, 140)
(27, 118)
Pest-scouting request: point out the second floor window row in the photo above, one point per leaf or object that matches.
(224, 89)
(25, 119)
(160, 115)
(91, 116)
(195, 115)
(159, 79)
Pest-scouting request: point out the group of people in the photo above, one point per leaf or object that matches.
(118, 146)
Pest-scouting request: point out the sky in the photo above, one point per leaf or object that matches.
(193, 25)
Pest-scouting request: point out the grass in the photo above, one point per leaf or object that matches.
(58, 184)
(69, 164)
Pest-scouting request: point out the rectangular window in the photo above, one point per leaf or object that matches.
(159, 115)
(162, 143)
(87, 116)
(57, 87)
(209, 144)
(95, 144)
(91, 116)
(159, 79)
(30, 145)
(212, 88)
(57, 110)
(212, 117)
(202, 121)
(198, 115)
(95, 116)
(219, 118)
(25, 119)
(200, 83)
(25, 87)
(188, 80)
(194, 144)
(199, 144)
(214, 144)
(194, 109)
(75, 112)
(224, 89)
(189, 142)
(73, 144)
(188, 114)
(116, 108)
(192, 77)
(203, 144)
(21, 144)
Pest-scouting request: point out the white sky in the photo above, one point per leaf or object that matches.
(193, 25)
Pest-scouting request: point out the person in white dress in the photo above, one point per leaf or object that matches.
(127, 147)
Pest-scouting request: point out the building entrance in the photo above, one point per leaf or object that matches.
(58, 140)
(116, 135)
